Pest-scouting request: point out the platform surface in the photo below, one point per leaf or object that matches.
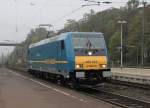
(18, 91)
(132, 72)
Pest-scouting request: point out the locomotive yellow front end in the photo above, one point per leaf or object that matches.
(91, 58)
(90, 62)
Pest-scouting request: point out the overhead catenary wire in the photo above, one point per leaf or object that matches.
(75, 10)
(60, 18)
(68, 14)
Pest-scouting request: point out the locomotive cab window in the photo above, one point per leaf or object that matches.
(88, 41)
(62, 44)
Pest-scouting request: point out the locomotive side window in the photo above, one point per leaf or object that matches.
(28, 53)
(62, 45)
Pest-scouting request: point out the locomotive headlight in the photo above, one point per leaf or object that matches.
(104, 66)
(89, 53)
(77, 66)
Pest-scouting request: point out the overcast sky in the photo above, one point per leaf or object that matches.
(26, 14)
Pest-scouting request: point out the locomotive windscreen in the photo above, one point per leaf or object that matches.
(86, 41)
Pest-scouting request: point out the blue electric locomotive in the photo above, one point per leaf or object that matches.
(78, 57)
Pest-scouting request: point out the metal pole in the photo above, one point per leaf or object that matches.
(143, 33)
(2, 58)
(137, 56)
(121, 55)
(121, 22)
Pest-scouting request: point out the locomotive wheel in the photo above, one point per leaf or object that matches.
(74, 84)
(60, 80)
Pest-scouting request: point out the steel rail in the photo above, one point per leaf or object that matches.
(130, 84)
(118, 100)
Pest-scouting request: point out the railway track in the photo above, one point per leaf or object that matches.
(117, 99)
(141, 86)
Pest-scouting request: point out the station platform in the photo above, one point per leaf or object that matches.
(133, 75)
(24, 91)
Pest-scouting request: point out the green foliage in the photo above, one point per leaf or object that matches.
(19, 55)
(114, 46)
(71, 25)
(132, 4)
(106, 22)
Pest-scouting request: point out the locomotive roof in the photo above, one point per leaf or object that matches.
(85, 32)
(60, 37)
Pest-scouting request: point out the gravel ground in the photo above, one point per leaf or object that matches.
(127, 91)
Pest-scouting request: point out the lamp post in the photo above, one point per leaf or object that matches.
(121, 22)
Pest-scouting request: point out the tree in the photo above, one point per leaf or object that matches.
(71, 25)
(132, 4)
(106, 22)
(114, 47)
